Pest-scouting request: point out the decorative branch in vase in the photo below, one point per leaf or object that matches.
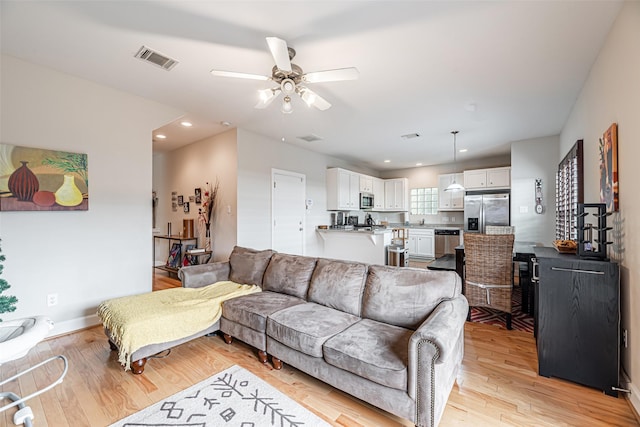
(206, 214)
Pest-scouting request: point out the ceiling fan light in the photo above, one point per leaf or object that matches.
(288, 86)
(266, 97)
(308, 97)
(266, 94)
(287, 108)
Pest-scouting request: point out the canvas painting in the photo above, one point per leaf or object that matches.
(609, 168)
(173, 260)
(34, 179)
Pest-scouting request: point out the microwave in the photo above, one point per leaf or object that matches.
(366, 201)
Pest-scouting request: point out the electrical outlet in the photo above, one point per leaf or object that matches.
(625, 343)
(52, 299)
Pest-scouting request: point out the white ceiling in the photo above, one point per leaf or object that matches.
(497, 71)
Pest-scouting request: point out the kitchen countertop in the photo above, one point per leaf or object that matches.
(429, 226)
(355, 231)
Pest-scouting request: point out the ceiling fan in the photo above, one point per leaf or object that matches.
(291, 79)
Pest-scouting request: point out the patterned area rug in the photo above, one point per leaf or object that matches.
(519, 321)
(234, 398)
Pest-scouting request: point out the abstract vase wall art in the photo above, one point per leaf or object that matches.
(23, 183)
(34, 179)
(609, 168)
(68, 194)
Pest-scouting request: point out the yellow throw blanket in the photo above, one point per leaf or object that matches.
(157, 317)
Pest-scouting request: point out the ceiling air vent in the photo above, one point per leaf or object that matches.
(156, 58)
(310, 138)
(410, 136)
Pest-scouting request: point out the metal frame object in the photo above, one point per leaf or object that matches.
(24, 415)
(17, 337)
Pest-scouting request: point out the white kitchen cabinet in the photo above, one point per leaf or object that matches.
(343, 190)
(450, 200)
(378, 194)
(499, 178)
(481, 179)
(366, 184)
(396, 194)
(421, 243)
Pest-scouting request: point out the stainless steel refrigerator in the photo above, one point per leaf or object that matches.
(482, 209)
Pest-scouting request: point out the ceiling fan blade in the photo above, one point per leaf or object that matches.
(339, 74)
(266, 97)
(280, 53)
(312, 98)
(234, 74)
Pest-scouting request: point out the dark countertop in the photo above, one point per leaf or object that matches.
(428, 226)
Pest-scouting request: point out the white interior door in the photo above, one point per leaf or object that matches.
(288, 211)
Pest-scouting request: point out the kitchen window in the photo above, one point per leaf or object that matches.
(424, 201)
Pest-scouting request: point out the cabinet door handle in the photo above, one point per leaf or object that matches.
(535, 273)
(573, 270)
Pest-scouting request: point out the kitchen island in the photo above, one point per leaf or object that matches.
(368, 246)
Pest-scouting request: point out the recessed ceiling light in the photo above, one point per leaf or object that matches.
(161, 136)
(462, 150)
(387, 161)
(186, 124)
(283, 139)
(418, 164)
(225, 123)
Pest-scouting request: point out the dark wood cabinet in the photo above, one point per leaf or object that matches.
(578, 319)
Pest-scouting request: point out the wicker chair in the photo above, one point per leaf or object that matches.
(489, 271)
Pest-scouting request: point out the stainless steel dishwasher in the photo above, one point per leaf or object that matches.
(446, 240)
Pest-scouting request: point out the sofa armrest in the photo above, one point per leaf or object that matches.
(442, 328)
(197, 276)
(438, 340)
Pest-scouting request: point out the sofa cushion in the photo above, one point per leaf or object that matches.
(406, 296)
(248, 265)
(339, 285)
(289, 274)
(306, 327)
(252, 312)
(373, 350)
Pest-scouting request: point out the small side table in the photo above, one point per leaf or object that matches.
(193, 257)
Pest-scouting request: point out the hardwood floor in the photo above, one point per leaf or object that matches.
(498, 384)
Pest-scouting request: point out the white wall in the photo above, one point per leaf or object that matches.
(611, 94)
(191, 167)
(84, 257)
(532, 159)
(257, 155)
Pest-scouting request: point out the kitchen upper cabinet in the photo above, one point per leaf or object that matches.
(366, 184)
(396, 194)
(378, 194)
(450, 200)
(421, 243)
(481, 179)
(343, 190)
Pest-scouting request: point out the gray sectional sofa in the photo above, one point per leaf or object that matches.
(390, 336)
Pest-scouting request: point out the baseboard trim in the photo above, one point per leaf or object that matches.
(634, 399)
(73, 325)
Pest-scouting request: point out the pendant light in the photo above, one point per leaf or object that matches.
(454, 186)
